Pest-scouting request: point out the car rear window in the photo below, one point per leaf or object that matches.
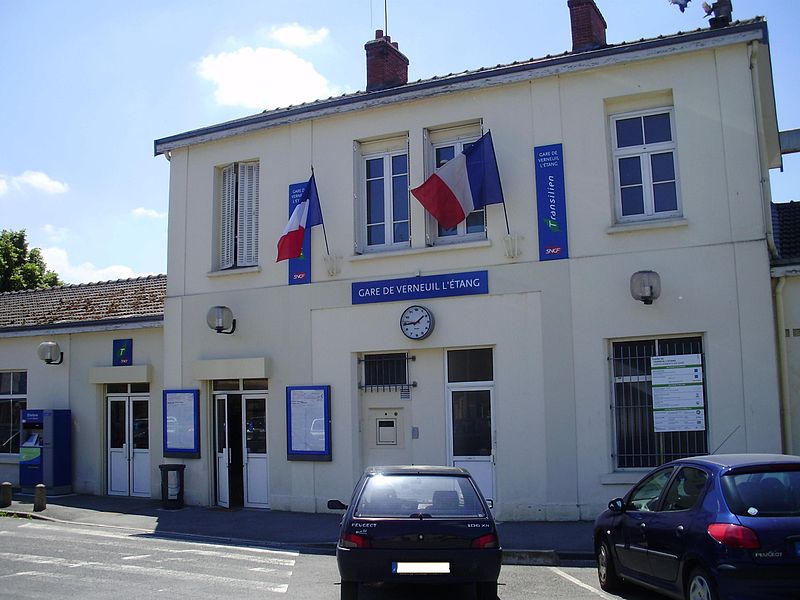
(763, 493)
(419, 495)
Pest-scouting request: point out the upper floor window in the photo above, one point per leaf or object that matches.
(383, 197)
(645, 165)
(13, 399)
(445, 143)
(238, 215)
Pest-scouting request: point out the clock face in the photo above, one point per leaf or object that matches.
(416, 322)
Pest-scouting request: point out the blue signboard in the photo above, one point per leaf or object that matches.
(299, 268)
(426, 286)
(551, 202)
(123, 353)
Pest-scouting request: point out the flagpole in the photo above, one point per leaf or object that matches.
(500, 183)
(322, 217)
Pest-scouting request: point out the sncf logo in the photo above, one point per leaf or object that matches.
(552, 250)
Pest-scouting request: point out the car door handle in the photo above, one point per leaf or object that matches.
(642, 526)
(679, 530)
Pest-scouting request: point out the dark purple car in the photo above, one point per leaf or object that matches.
(708, 527)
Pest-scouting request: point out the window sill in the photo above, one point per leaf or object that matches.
(622, 477)
(649, 224)
(239, 271)
(425, 250)
(9, 459)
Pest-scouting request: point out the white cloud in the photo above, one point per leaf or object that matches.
(294, 35)
(263, 78)
(148, 212)
(57, 260)
(39, 181)
(55, 234)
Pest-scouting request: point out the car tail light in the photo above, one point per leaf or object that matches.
(486, 541)
(353, 540)
(734, 536)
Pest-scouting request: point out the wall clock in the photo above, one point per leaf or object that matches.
(416, 322)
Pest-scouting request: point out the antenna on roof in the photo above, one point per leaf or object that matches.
(386, 16)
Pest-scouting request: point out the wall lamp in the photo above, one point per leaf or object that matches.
(50, 353)
(645, 286)
(220, 319)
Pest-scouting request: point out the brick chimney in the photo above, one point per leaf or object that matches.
(588, 25)
(387, 67)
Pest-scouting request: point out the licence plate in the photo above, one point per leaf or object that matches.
(420, 568)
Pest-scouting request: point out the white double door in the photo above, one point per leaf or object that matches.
(241, 450)
(128, 445)
(470, 433)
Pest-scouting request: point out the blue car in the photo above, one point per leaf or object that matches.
(708, 527)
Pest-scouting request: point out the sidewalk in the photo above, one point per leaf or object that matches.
(524, 542)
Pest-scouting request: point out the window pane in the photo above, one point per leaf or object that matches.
(7, 429)
(632, 201)
(374, 168)
(5, 383)
(225, 385)
(400, 198)
(140, 388)
(257, 383)
(663, 166)
(646, 495)
(221, 441)
(665, 197)
(141, 425)
(444, 154)
(385, 369)
(256, 419)
(442, 232)
(117, 388)
(376, 235)
(375, 209)
(629, 132)
(685, 489)
(17, 406)
(19, 382)
(657, 128)
(401, 232)
(469, 365)
(117, 424)
(399, 164)
(472, 423)
(630, 171)
(476, 221)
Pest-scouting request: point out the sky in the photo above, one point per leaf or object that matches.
(86, 86)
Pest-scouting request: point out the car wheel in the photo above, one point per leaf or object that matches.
(349, 590)
(700, 586)
(487, 590)
(606, 569)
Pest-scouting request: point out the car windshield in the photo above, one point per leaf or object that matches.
(419, 496)
(763, 493)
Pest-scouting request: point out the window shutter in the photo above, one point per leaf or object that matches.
(227, 212)
(247, 245)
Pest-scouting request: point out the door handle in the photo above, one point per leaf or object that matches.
(679, 530)
(642, 526)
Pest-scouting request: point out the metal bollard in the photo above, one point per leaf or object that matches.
(40, 498)
(5, 494)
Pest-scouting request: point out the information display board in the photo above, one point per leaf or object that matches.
(182, 423)
(678, 400)
(308, 422)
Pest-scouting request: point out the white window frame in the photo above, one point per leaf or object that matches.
(238, 222)
(10, 398)
(644, 152)
(362, 245)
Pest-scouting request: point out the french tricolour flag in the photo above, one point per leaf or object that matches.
(466, 183)
(305, 215)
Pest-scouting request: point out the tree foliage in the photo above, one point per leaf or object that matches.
(20, 268)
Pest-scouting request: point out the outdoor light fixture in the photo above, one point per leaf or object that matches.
(645, 286)
(220, 319)
(50, 353)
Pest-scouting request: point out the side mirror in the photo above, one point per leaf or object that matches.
(336, 505)
(616, 505)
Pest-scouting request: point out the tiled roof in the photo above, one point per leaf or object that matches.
(786, 229)
(96, 303)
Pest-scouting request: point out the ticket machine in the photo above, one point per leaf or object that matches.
(45, 452)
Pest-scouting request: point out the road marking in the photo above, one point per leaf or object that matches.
(29, 558)
(579, 583)
(37, 574)
(136, 557)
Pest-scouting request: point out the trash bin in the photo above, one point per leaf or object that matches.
(172, 485)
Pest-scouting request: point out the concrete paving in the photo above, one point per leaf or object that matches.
(524, 542)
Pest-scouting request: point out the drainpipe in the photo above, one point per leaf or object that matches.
(783, 366)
